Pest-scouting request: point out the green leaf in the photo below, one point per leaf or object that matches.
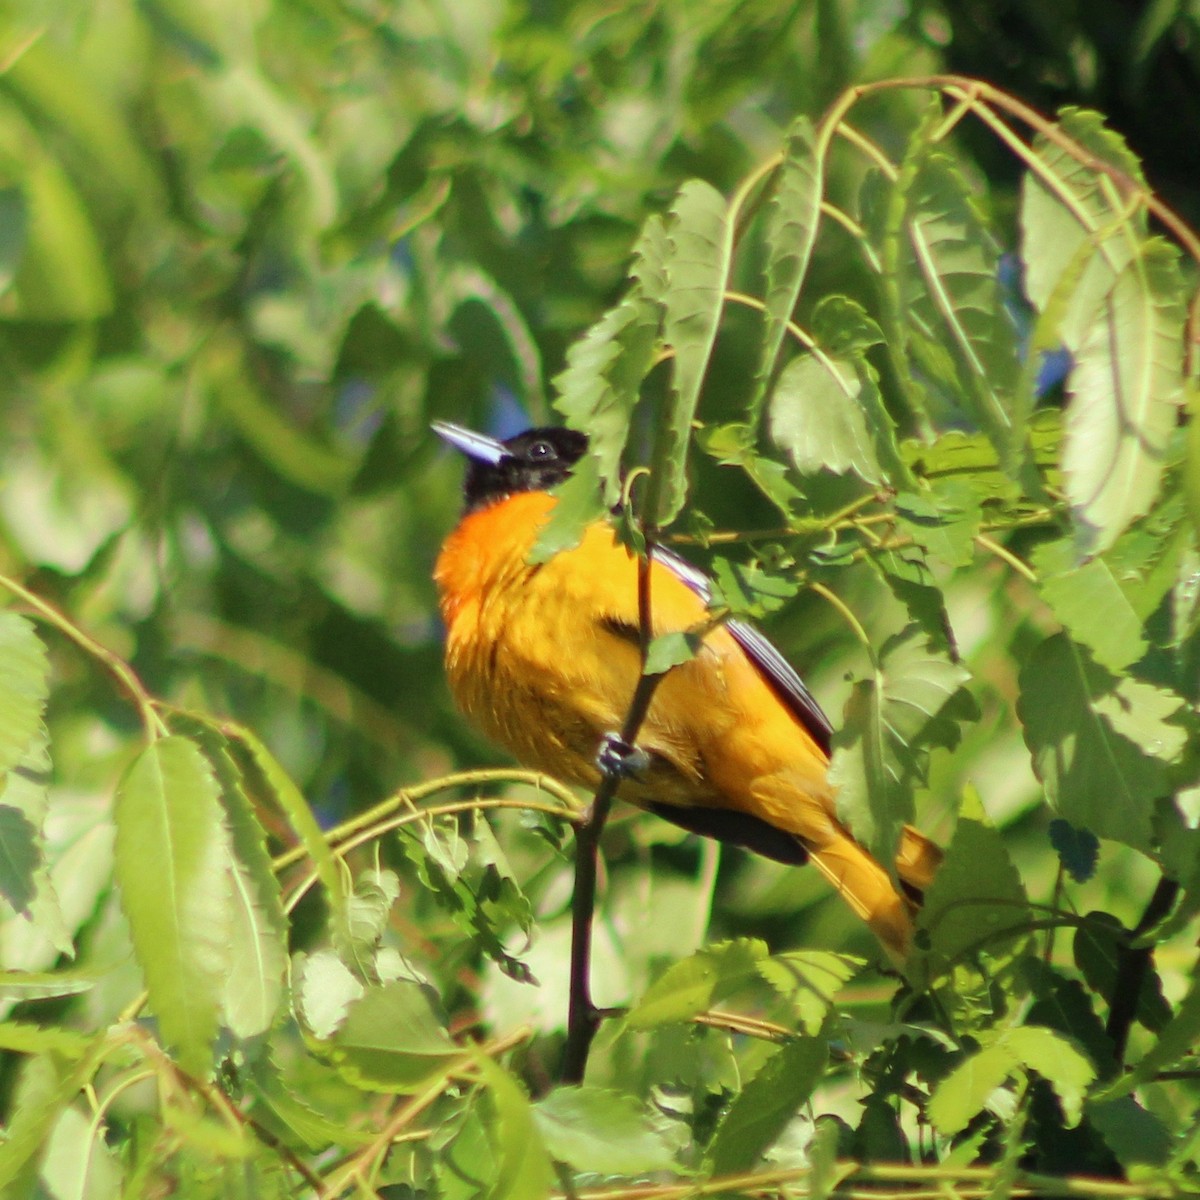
(1078, 849)
(818, 415)
(669, 650)
(967, 1089)
(1057, 1059)
(23, 687)
(20, 857)
(20, 1037)
(943, 523)
(809, 980)
(976, 901)
(580, 502)
(943, 264)
(325, 989)
(1126, 390)
(172, 866)
(1098, 947)
(601, 383)
(14, 218)
(254, 986)
(766, 1104)
(1130, 1132)
(1094, 777)
(793, 214)
(77, 1159)
(41, 985)
(694, 984)
(1089, 602)
(959, 1097)
(391, 1039)
(62, 275)
(523, 1170)
(749, 591)
(1176, 1040)
(602, 1131)
(1070, 210)
(697, 265)
(262, 770)
(892, 719)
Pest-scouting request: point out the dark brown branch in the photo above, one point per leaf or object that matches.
(583, 1019)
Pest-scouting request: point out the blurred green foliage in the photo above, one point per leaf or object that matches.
(248, 251)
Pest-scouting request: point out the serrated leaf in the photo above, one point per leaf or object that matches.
(172, 859)
(601, 383)
(391, 1039)
(1177, 1038)
(23, 1038)
(602, 1131)
(694, 984)
(818, 416)
(41, 985)
(1069, 211)
(1098, 947)
(746, 590)
(262, 768)
(967, 1089)
(809, 980)
(1078, 849)
(20, 857)
(975, 900)
(580, 502)
(1094, 777)
(964, 1093)
(892, 719)
(23, 687)
(1057, 1059)
(1089, 602)
(943, 523)
(766, 1104)
(942, 266)
(523, 1170)
(1130, 1132)
(697, 264)
(793, 213)
(669, 650)
(1126, 389)
(325, 989)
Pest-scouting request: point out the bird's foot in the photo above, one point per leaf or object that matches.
(618, 757)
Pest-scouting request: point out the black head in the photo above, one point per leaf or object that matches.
(533, 461)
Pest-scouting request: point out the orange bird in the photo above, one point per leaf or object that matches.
(544, 659)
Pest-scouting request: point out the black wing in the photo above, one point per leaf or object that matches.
(775, 669)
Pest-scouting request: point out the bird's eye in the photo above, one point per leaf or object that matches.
(539, 451)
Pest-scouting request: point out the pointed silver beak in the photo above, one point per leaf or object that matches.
(477, 446)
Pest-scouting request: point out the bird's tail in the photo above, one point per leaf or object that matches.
(868, 889)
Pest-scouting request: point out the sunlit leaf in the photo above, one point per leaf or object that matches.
(818, 415)
(522, 1164)
(1094, 777)
(810, 980)
(391, 1039)
(601, 1130)
(1090, 603)
(976, 901)
(766, 1104)
(23, 687)
(943, 262)
(695, 984)
(790, 229)
(172, 866)
(697, 265)
(911, 703)
(1126, 389)
(1068, 208)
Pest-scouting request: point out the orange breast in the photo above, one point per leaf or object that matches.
(544, 660)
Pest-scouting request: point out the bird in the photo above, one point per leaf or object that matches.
(544, 657)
